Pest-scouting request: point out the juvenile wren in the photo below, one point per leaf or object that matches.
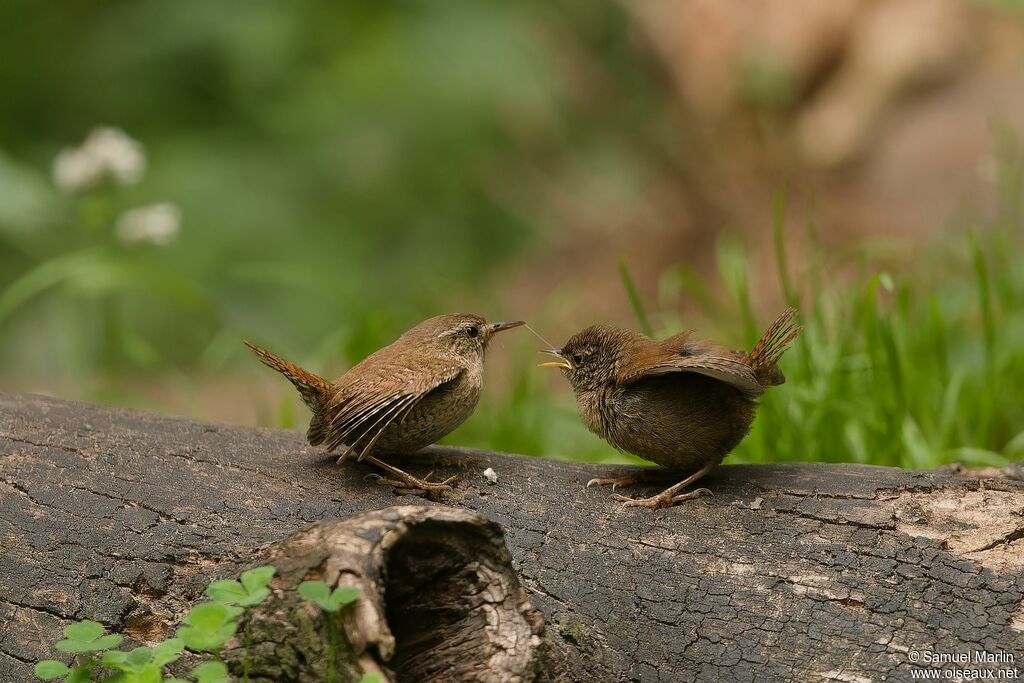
(680, 403)
(402, 397)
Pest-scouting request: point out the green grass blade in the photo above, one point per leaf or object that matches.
(778, 228)
(634, 298)
(984, 299)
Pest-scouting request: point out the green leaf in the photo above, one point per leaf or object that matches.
(317, 591)
(87, 636)
(211, 672)
(80, 674)
(234, 611)
(167, 651)
(208, 616)
(114, 658)
(373, 677)
(104, 643)
(146, 674)
(108, 641)
(139, 657)
(344, 595)
(85, 630)
(255, 598)
(200, 639)
(48, 669)
(227, 591)
(257, 578)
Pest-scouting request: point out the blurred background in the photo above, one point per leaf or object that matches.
(317, 177)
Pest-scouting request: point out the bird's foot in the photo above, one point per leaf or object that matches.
(662, 500)
(614, 482)
(405, 483)
(640, 476)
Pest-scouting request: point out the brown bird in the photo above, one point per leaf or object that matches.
(680, 403)
(402, 397)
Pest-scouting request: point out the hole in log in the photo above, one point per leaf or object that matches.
(439, 601)
(445, 594)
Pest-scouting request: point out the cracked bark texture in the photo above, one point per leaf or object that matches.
(790, 572)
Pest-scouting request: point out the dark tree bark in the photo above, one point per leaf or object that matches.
(790, 572)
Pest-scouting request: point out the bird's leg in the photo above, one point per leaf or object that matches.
(645, 475)
(671, 495)
(405, 481)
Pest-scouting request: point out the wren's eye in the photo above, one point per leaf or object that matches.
(471, 330)
(577, 359)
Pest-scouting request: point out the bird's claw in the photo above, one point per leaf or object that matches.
(663, 499)
(614, 482)
(414, 484)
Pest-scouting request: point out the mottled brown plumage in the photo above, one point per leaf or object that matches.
(680, 403)
(402, 397)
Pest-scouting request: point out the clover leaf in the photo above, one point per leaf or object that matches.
(139, 657)
(320, 593)
(114, 658)
(208, 626)
(211, 672)
(80, 674)
(226, 591)
(168, 651)
(87, 636)
(251, 590)
(49, 669)
(256, 578)
(149, 673)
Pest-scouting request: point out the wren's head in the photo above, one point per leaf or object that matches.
(590, 358)
(460, 334)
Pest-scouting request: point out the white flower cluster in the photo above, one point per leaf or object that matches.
(107, 154)
(156, 224)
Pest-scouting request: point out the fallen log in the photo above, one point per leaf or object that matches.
(790, 572)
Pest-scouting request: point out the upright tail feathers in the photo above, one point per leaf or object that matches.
(771, 346)
(315, 390)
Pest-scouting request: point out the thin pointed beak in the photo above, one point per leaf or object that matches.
(494, 328)
(562, 361)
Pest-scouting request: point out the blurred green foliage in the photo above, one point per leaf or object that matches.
(339, 167)
(903, 364)
(906, 358)
(914, 365)
(343, 171)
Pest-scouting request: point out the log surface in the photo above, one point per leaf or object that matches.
(790, 572)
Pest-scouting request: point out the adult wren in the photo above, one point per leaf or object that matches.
(402, 397)
(679, 402)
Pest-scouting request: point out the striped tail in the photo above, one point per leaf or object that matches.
(773, 343)
(315, 390)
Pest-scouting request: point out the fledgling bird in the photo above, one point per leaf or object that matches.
(679, 402)
(400, 398)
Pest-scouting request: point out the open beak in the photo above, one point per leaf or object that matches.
(495, 328)
(562, 361)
